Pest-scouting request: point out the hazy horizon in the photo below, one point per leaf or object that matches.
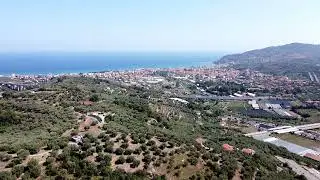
(155, 26)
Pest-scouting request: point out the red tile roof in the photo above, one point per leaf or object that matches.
(313, 156)
(248, 151)
(227, 147)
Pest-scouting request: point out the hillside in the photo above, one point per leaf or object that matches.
(294, 59)
(85, 128)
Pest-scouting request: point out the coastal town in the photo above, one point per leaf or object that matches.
(160, 90)
(268, 108)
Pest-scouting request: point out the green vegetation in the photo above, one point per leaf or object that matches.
(293, 60)
(222, 88)
(30, 121)
(142, 129)
(310, 115)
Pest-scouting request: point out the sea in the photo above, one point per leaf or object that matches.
(62, 63)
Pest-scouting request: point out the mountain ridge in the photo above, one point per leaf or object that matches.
(294, 60)
(273, 53)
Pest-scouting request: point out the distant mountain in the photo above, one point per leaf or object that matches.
(286, 52)
(295, 59)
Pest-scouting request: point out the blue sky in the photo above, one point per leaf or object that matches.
(156, 25)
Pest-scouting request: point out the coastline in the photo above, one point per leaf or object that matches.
(71, 72)
(61, 64)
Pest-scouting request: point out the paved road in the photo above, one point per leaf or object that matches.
(309, 173)
(315, 77)
(311, 77)
(244, 98)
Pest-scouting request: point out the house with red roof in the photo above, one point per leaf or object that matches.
(227, 147)
(312, 156)
(248, 151)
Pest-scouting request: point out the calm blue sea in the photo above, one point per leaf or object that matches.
(55, 63)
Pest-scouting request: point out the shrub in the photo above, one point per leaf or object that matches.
(170, 144)
(99, 149)
(120, 160)
(5, 157)
(130, 159)
(23, 154)
(108, 148)
(62, 143)
(87, 128)
(123, 136)
(153, 158)
(128, 152)
(147, 159)
(93, 123)
(205, 156)
(106, 138)
(215, 158)
(94, 98)
(185, 164)
(105, 126)
(162, 139)
(52, 144)
(74, 132)
(6, 176)
(86, 146)
(146, 152)
(14, 162)
(119, 151)
(142, 140)
(157, 152)
(34, 168)
(135, 140)
(137, 151)
(49, 160)
(108, 118)
(151, 143)
(148, 136)
(113, 134)
(51, 170)
(162, 146)
(153, 148)
(109, 143)
(17, 170)
(157, 163)
(135, 163)
(102, 135)
(213, 166)
(143, 147)
(26, 176)
(118, 139)
(165, 160)
(193, 160)
(91, 150)
(32, 148)
(163, 154)
(177, 174)
(124, 145)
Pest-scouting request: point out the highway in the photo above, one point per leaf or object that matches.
(308, 126)
(315, 77)
(311, 77)
(287, 129)
(213, 97)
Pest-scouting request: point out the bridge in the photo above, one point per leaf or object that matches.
(309, 126)
(287, 129)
